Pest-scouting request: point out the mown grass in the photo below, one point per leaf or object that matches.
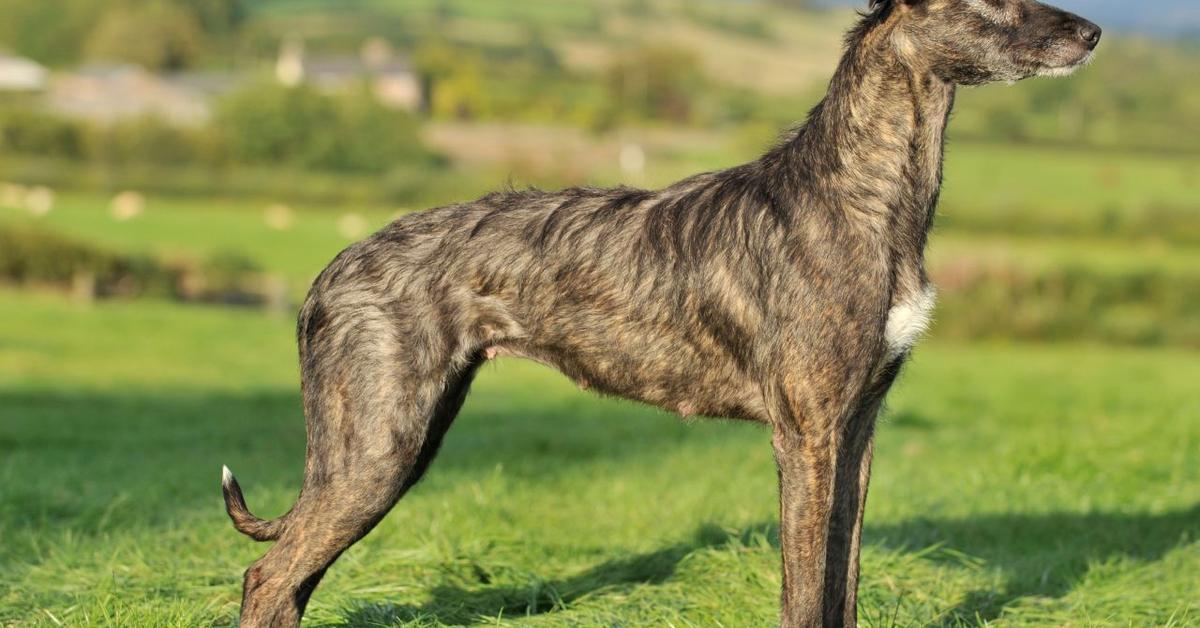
(1056, 191)
(1028, 485)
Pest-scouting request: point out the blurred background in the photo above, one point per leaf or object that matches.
(173, 174)
(223, 150)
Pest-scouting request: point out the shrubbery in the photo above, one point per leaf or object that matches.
(152, 141)
(39, 258)
(655, 82)
(1174, 223)
(160, 34)
(271, 124)
(157, 35)
(36, 258)
(264, 124)
(27, 131)
(1134, 306)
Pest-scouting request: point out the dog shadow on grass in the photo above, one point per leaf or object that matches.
(101, 445)
(1040, 555)
(456, 605)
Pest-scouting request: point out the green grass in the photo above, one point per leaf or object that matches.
(1041, 253)
(173, 228)
(1021, 189)
(1020, 485)
(1071, 179)
(1027, 485)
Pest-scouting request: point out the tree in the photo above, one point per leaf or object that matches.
(50, 31)
(351, 132)
(158, 36)
(218, 17)
(658, 82)
(452, 80)
(159, 33)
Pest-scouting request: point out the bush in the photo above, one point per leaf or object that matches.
(150, 140)
(33, 257)
(30, 132)
(454, 80)
(50, 31)
(228, 273)
(272, 124)
(1135, 306)
(156, 35)
(219, 16)
(369, 137)
(163, 34)
(656, 82)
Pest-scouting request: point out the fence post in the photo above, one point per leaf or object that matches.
(276, 293)
(83, 287)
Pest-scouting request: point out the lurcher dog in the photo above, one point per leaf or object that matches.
(786, 291)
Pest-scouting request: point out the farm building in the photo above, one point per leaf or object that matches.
(391, 78)
(112, 93)
(18, 74)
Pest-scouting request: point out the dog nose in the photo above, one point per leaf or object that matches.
(1089, 33)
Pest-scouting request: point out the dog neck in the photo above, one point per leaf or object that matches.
(872, 149)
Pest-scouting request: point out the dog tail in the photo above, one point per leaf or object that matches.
(243, 519)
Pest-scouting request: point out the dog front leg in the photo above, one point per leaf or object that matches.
(850, 498)
(845, 526)
(807, 468)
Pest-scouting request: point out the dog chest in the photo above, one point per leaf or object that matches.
(908, 320)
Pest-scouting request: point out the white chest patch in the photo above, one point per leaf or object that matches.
(908, 320)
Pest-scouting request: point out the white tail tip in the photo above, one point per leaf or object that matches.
(226, 476)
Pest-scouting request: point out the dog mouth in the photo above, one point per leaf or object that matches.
(1066, 69)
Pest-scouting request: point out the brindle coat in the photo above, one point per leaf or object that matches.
(786, 291)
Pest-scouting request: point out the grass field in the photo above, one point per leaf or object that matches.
(1027, 485)
(1019, 485)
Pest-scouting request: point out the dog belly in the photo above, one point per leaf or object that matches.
(683, 351)
(661, 371)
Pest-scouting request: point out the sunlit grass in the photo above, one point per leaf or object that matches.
(1031, 485)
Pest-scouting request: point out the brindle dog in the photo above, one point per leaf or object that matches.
(786, 291)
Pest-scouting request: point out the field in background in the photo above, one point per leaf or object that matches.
(1037, 243)
(1137, 200)
(761, 47)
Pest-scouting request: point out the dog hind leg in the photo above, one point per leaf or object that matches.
(374, 428)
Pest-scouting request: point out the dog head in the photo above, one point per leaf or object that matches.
(971, 42)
